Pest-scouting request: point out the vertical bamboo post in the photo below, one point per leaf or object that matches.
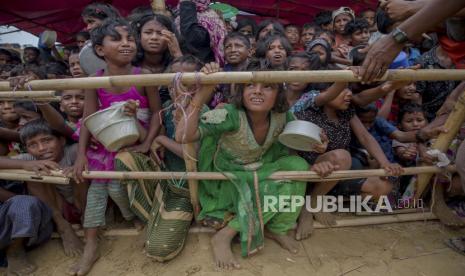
(454, 122)
(190, 156)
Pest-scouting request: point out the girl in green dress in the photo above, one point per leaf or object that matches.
(241, 138)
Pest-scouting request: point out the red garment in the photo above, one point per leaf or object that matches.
(455, 50)
(393, 115)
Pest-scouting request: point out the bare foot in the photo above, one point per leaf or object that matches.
(87, 260)
(327, 219)
(284, 241)
(304, 225)
(18, 264)
(221, 243)
(72, 245)
(442, 211)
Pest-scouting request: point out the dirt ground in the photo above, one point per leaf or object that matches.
(392, 249)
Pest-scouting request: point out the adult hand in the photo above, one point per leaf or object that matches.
(379, 56)
(324, 168)
(410, 153)
(40, 167)
(430, 133)
(398, 10)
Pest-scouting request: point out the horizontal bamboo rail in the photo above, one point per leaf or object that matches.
(290, 175)
(21, 175)
(237, 77)
(59, 178)
(34, 99)
(346, 222)
(27, 94)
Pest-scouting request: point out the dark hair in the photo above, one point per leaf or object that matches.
(356, 25)
(139, 20)
(264, 45)
(277, 27)
(320, 41)
(36, 127)
(23, 69)
(6, 52)
(409, 108)
(57, 68)
(311, 26)
(100, 11)
(188, 59)
(108, 28)
(383, 21)
(239, 36)
(366, 109)
(281, 105)
(362, 12)
(244, 22)
(357, 57)
(35, 49)
(312, 58)
(28, 106)
(323, 18)
(329, 33)
(292, 26)
(84, 34)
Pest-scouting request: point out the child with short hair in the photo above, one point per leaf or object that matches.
(411, 118)
(114, 42)
(292, 33)
(31, 55)
(309, 31)
(75, 66)
(46, 151)
(369, 15)
(237, 50)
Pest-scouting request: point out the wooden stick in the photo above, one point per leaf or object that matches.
(190, 156)
(238, 77)
(27, 94)
(291, 175)
(34, 99)
(352, 222)
(34, 178)
(453, 124)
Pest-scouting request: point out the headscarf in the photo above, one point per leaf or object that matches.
(343, 10)
(211, 22)
(320, 41)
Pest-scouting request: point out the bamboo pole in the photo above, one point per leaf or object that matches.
(32, 98)
(190, 154)
(351, 222)
(27, 94)
(238, 77)
(454, 122)
(31, 177)
(290, 175)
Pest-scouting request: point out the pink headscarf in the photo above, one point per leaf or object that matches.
(212, 22)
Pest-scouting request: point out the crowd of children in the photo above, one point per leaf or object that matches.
(386, 125)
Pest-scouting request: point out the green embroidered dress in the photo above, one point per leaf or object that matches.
(228, 145)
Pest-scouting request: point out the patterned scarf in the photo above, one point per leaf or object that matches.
(212, 22)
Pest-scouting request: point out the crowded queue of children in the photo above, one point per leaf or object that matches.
(235, 128)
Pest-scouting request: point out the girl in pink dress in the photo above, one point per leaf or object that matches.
(115, 43)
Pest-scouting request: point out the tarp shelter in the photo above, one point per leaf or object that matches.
(63, 16)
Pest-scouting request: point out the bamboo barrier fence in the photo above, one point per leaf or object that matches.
(344, 222)
(453, 124)
(29, 95)
(237, 77)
